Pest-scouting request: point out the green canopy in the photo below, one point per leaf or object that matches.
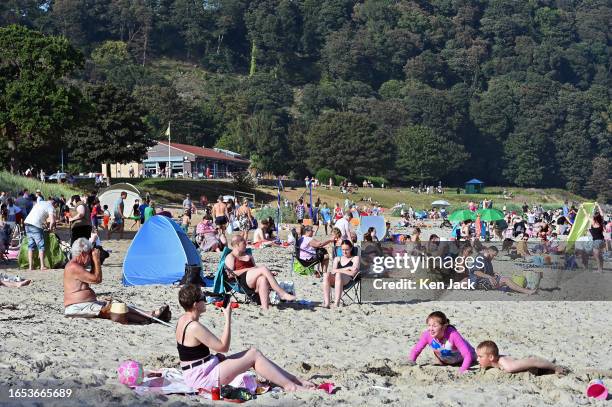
(490, 215)
(462, 215)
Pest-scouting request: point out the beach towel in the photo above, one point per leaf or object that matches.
(170, 382)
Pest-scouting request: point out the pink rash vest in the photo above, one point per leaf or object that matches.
(452, 349)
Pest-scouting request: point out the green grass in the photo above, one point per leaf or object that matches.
(173, 190)
(547, 197)
(15, 183)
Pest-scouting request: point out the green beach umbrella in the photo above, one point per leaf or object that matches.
(462, 215)
(490, 215)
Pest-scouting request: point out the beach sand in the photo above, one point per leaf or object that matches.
(359, 347)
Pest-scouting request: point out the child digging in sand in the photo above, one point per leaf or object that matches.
(488, 356)
(449, 347)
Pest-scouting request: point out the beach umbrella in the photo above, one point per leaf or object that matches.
(490, 215)
(462, 215)
(439, 203)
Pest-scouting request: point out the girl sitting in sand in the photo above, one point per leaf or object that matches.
(203, 369)
(488, 356)
(449, 347)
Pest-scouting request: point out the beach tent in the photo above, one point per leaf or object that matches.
(158, 254)
(111, 194)
(474, 186)
(377, 222)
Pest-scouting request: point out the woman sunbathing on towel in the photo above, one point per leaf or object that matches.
(203, 370)
(257, 279)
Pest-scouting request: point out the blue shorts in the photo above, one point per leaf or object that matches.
(36, 237)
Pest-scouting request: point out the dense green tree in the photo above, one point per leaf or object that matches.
(348, 144)
(424, 156)
(36, 108)
(112, 131)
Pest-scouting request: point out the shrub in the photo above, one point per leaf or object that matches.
(323, 175)
(243, 180)
(287, 214)
(377, 181)
(339, 179)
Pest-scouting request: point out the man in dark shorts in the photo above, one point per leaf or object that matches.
(187, 205)
(220, 213)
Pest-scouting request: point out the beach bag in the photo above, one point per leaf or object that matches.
(285, 285)
(532, 279)
(192, 275)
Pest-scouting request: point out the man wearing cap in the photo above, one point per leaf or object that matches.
(312, 251)
(35, 222)
(81, 301)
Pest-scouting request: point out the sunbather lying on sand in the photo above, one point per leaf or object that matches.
(80, 300)
(488, 356)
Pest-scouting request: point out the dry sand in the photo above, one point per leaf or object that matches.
(356, 347)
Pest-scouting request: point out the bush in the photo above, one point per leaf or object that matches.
(287, 214)
(377, 181)
(339, 179)
(243, 180)
(323, 175)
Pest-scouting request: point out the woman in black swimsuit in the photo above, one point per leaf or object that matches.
(597, 229)
(201, 369)
(344, 269)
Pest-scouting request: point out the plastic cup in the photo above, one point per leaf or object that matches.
(597, 390)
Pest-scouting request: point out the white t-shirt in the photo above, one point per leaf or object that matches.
(345, 228)
(39, 214)
(530, 218)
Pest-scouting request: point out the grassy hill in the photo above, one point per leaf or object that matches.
(391, 196)
(173, 191)
(14, 183)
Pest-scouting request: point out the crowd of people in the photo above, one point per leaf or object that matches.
(226, 224)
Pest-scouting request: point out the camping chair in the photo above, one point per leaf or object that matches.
(297, 266)
(352, 289)
(222, 285)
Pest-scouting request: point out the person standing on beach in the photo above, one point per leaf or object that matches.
(80, 224)
(220, 214)
(188, 206)
(35, 223)
(119, 217)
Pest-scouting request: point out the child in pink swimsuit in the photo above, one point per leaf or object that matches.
(449, 347)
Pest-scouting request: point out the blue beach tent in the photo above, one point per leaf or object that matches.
(158, 254)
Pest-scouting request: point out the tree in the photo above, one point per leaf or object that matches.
(36, 108)
(112, 132)
(268, 133)
(599, 184)
(348, 144)
(424, 156)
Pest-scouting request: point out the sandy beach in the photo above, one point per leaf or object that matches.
(359, 347)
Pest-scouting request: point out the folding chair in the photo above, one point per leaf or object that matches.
(222, 285)
(296, 265)
(352, 289)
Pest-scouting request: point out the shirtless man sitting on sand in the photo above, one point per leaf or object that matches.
(80, 300)
(220, 214)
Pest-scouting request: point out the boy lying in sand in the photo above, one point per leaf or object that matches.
(488, 356)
